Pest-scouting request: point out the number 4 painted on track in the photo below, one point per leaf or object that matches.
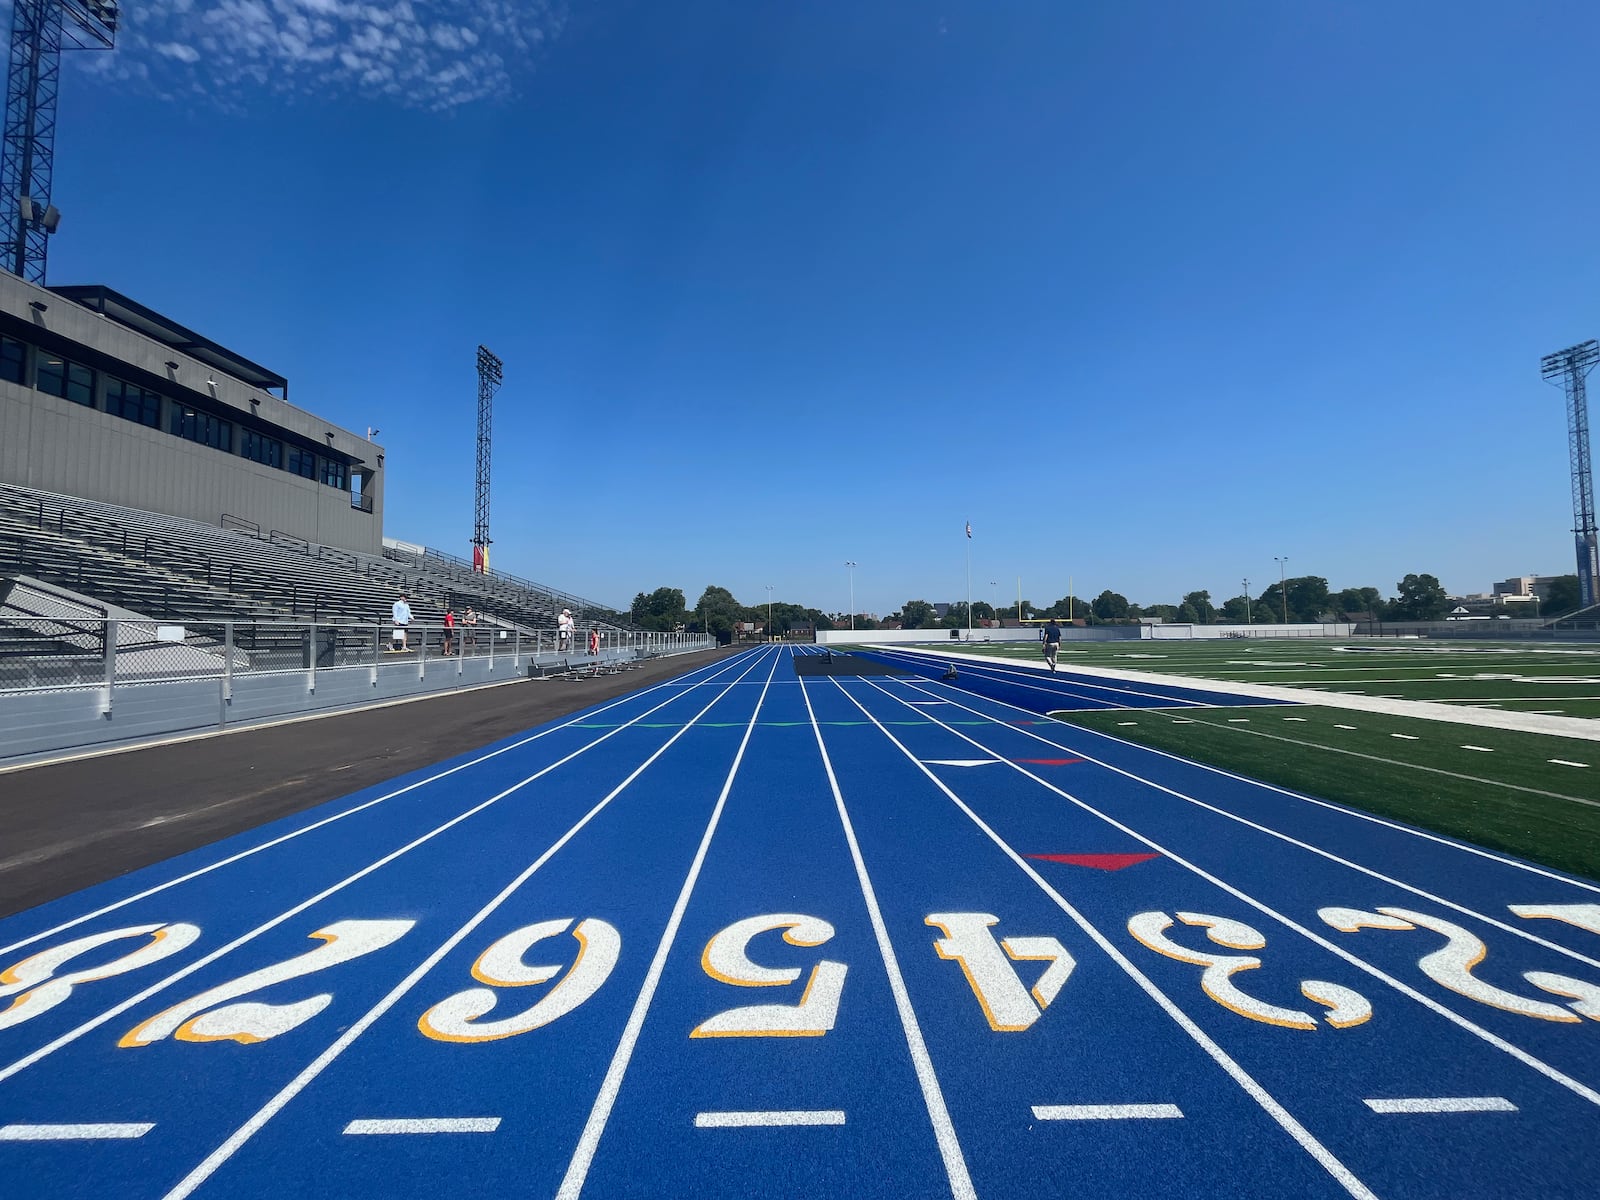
(1008, 1006)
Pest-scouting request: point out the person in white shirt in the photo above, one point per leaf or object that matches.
(564, 629)
(402, 618)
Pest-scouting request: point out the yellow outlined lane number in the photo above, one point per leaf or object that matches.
(458, 1018)
(208, 1017)
(725, 959)
(1008, 1005)
(35, 987)
(1345, 1007)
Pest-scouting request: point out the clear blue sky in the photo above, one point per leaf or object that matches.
(1149, 292)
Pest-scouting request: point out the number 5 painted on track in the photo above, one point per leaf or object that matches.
(725, 960)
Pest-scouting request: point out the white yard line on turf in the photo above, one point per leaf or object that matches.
(588, 714)
(594, 1128)
(944, 1130)
(251, 1127)
(117, 1010)
(1268, 1103)
(1575, 1086)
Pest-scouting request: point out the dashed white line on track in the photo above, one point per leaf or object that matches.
(73, 1133)
(1442, 1104)
(1105, 1112)
(745, 1120)
(1561, 762)
(1410, 737)
(1479, 749)
(423, 1125)
(1344, 726)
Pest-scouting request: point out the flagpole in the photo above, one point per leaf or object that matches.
(969, 581)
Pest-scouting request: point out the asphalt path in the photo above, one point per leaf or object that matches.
(751, 933)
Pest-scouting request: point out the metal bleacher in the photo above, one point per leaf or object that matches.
(170, 568)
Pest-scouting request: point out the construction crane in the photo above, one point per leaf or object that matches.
(40, 31)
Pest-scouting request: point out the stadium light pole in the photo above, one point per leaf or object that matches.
(1247, 600)
(1283, 585)
(852, 567)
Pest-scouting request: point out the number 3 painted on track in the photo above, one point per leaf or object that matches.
(1346, 1008)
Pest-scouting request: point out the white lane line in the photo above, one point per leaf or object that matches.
(1549, 1072)
(1268, 1103)
(1561, 762)
(139, 997)
(401, 1125)
(944, 1130)
(74, 1133)
(1105, 1112)
(594, 1128)
(1410, 737)
(1344, 726)
(251, 1127)
(1442, 1104)
(1479, 749)
(1238, 720)
(586, 715)
(1135, 722)
(746, 1120)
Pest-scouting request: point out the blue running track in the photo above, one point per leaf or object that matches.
(751, 933)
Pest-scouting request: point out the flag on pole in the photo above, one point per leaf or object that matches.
(969, 528)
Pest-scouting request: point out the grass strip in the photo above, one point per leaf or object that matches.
(1505, 796)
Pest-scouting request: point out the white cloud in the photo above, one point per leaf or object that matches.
(435, 54)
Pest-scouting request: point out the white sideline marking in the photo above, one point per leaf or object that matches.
(72, 1133)
(1442, 1104)
(1479, 749)
(742, 1120)
(1105, 1112)
(1410, 737)
(424, 1125)
(1561, 762)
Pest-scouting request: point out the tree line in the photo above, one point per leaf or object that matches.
(1298, 600)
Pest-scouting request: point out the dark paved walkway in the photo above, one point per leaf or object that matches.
(69, 825)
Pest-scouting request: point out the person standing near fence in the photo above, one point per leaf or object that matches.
(564, 630)
(470, 620)
(594, 643)
(1050, 635)
(449, 631)
(402, 618)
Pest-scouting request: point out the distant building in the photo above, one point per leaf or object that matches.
(1524, 587)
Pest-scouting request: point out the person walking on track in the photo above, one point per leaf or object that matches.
(1050, 635)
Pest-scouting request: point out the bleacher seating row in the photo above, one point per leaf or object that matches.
(174, 569)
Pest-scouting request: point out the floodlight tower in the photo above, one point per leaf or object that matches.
(40, 30)
(488, 381)
(1571, 366)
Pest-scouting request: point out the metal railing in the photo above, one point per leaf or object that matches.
(40, 652)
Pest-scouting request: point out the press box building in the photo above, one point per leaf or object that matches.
(102, 398)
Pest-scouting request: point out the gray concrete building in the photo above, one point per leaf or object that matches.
(102, 398)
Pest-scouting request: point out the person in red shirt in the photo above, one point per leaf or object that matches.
(594, 643)
(449, 631)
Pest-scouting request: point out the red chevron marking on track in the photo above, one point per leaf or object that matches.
(1100, 862)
